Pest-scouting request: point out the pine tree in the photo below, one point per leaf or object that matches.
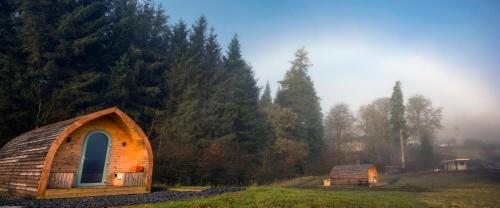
(297, 92)
(214, 85)
(241, 114)
(243, 98)
(265, 99)
(135, 81)
(398, 123)
(189, 114)
(12, 103)
(38, 20)
(175, 79)
(58, 55)
(82, 37)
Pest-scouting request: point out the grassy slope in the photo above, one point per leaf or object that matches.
(442, 191)
(455, 191)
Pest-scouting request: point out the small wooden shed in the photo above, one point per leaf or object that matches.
(363, 174)
(102, 153)
(455, 164)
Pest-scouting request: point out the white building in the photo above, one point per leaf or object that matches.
(455, 164)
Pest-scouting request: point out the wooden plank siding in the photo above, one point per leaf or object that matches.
(61, 180)
(45, 157)
(133, 179)
(94, 191)
(22, 159)
(353, 174)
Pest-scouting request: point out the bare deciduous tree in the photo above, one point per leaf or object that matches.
(338, 124)
(374, 123)
(422, 116)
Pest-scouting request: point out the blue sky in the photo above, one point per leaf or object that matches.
(445, 50)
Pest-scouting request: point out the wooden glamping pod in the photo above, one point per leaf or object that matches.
(102, 153)
(364, 174)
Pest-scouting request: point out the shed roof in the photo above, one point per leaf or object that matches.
(26, 160)
(455, 160)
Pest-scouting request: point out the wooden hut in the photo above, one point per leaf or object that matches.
(102, 153)
(364, 174)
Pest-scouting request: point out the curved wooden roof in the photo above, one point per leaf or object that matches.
(26, 160)
(350, 171)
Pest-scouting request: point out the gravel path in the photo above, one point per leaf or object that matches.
(112, 201)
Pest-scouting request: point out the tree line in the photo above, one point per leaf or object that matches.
(385, 132)
(198, 103)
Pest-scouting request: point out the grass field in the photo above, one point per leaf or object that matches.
(410, 191)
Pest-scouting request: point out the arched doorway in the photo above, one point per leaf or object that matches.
(94, 159)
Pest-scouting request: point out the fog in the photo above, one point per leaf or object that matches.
(358, 68)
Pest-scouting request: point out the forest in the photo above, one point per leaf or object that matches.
(199, 102)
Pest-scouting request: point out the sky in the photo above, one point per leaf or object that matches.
(445, 50)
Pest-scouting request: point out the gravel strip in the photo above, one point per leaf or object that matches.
(112, 201)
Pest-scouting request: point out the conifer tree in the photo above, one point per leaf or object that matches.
(12, 106)
(175, 78)
(241, 114)
(80, 54)
(189, 113)
(135, 77)
(214, 85)
(242, 100)
(398, 123)
(265, 99)
(38, 21)
(297, 92)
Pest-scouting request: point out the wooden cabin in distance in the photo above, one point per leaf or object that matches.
(102, 153)
(455, 164)
(364, 174)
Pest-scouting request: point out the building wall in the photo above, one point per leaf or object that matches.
(455, 165)
(450, 166)
(121, 158)
(461, 165)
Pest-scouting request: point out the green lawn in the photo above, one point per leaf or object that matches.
(455, 191)
(289, 197)
(439, 191)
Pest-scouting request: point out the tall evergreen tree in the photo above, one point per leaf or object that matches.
(12, 106)
(190, 109)
(398, 123)
(243, 96)
(80, 51)
(38, 21)
(242, 114)
(266, 100)
(298, 93)
(135, 79)
(214, 85)
(175, 79)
